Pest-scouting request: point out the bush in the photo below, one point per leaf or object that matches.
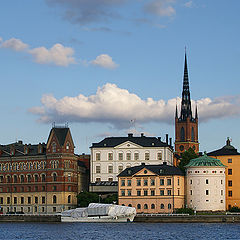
(189, 211)
(234, 209)
(113, 198)
(84, 198)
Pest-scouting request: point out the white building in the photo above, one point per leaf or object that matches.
(205, 184)
(113, 154)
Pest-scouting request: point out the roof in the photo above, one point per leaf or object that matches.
(228, 149)
(104, 183)
(205, 161)
(142, 141)
(161, 170)
(60, 133)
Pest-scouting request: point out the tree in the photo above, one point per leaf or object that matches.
(113, 198)
(84, 198)
(186, 157)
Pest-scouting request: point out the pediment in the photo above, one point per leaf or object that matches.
(128, 145)
(146, 172)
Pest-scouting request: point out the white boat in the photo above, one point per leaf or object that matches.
(98, 212)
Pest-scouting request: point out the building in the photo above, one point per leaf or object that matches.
(151, 188)
(113, 154)
(40, 178)
(230, 157)
(205, 184)
(186, 126)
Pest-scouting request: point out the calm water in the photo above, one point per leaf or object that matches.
(118, 231)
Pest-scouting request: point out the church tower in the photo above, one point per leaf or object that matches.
(186, 126)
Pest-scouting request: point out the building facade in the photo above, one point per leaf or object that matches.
(186, 125)
(114, 154)
(151, 188)
(230, 157)
(39, 178)
(205, 184)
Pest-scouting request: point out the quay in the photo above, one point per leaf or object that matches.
(30, 218)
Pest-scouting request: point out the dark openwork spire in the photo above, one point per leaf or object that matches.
(186, 110)
(176, 113)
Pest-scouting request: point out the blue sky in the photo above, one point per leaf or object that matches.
(98, 64)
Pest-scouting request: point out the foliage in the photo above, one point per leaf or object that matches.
(186, 157)
(113, 198)
(84, 198)
(189, 211)
(234, 209)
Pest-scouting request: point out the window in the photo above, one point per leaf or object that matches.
(36, 200)
(43, 209)
(54, 188)
(98, 157)
(36, 188)
(43, 178)
(128, 156)
(152, 206)
(178, 192)
(15, 178)
(120, 169)
(206, 181)
(129, 182)
(15, 200)
(54, 209)
(136, 156)
(120, 156)
(169, 192)
(162, 206)
(230, 183)
(138, 192)
(152, 192)
(69, 198)
(169, 206)
(145, 182)
(110, 179)
(138, 182)
(54, 177)
(182, 134)
(1, 200)
(98, 169)
(29, 189)
(22, 200)
(68, 146)
(43, 188)
(145, 206)
(69, 188)
(110, 156)
(29, 200)
(1, 179)
(229, 171)
(207, 192)
(21, 178)
(169, 182)
(139, 206)
(221, 192)
(29, 178)
(69, 177)
(229, 160)
(152, 182)
(14, 189)
(178, 182)
(221, 181)
(190, 192)
(122, 182)
(43, 200)
(54, 147)
(8, 179)
(129, 192)
(161, 192)
(36, 178)
(159, 156)
(8, 200)
(192, 134)
(230, 193)
(145, 192)
(110, 169)
(98, 179)
(146, 155)
(190, 181)
(123, 192)
(54, 199)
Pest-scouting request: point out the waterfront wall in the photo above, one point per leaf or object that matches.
(30, 218)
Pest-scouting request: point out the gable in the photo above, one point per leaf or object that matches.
(146, 172)
(128, 145)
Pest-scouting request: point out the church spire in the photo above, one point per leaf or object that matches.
(176, 113)
(186, 110)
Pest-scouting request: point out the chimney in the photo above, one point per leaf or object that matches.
(130, 135)
(142, 134)
(167, 139)
(170, 141)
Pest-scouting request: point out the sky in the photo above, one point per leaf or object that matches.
(109, 67)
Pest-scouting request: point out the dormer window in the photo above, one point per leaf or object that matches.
(68, 146)
(12, 151)
(54, 147)
(26, 151)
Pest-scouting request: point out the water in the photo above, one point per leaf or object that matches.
(118, 231)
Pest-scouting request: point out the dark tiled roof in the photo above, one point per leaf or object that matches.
(61, 133)
(142, 141)
(104, 183)
(161, 170)
(228, 149)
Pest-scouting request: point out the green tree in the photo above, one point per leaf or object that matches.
(113, 198)
(186, 157)
(84, 198)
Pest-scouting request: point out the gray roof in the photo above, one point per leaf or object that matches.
(60, 133)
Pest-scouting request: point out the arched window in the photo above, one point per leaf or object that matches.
(36, 178)
(15, 178)
(192, 135)
(43, 178)
(54, 199)
(21, 178)
(69, 198)
(54, 177)
(169, 206)
(29, 178)
(153, 206)
(54, 147)
(182, 134)
(145, 206)
(139, 206)
(130, 205)
(162, 206)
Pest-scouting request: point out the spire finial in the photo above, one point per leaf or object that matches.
(196, 112)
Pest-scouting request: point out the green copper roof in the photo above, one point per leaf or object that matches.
(205, 161)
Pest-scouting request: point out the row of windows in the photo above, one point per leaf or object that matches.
(145, 182)
(54, 147)
(152, 206)
(146, 192)
(207, 192)
(29, 209)
(20, 166)
(207, 181)
(128, 156)
(28, 200)
(205, 171)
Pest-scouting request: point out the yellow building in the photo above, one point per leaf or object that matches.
(230, 157)
(151, 188)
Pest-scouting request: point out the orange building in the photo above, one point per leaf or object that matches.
(151, 188)
(230, 157)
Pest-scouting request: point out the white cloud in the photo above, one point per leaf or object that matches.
(162, 8)
(14, 44)
(118, 107)
(104, 61)
(188, 4)
(58, 55)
